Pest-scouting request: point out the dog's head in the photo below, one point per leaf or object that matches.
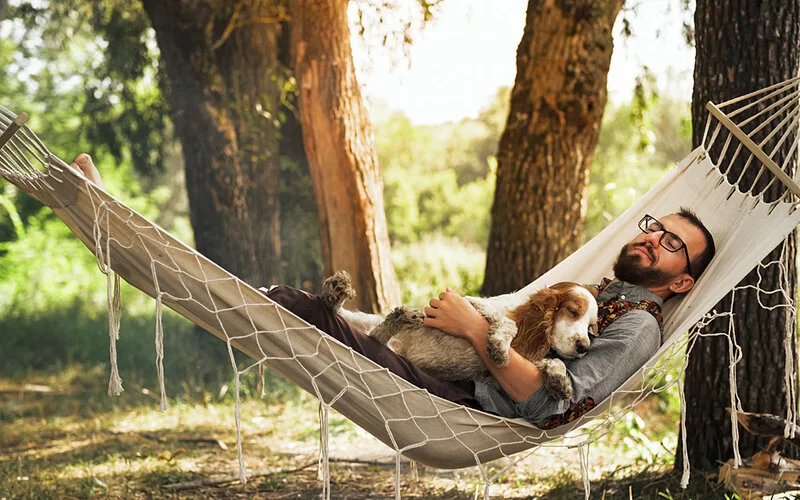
(558, 317)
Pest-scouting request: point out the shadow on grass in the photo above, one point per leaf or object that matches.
(188, 463)
(657, 483)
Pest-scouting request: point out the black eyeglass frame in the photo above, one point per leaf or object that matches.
(646, 225)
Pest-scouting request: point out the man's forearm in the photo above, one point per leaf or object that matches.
(520, 378)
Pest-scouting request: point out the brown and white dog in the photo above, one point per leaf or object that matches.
(555, 319)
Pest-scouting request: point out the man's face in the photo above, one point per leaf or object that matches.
(646, 263)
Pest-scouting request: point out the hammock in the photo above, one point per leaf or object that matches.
(747, 224)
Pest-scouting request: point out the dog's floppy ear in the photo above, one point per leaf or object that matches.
(535, 319)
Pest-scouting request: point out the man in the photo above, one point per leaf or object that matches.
(663, 261)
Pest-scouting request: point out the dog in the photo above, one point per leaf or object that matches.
(556, 319)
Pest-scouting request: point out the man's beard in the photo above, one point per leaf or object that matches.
(629, 268)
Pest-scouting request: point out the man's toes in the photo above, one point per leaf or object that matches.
(83, 163)
(84, 160)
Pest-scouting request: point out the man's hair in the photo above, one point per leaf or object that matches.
(700, 262)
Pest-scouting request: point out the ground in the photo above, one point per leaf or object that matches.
(63, 438)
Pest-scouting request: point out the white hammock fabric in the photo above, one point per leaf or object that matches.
(411, 421)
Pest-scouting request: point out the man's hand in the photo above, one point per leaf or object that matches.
(84, 165)
(452, 314)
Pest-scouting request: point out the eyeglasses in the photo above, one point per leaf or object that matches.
(668, 240)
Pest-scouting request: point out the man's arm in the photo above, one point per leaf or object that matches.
(623, 348)
(452, 314)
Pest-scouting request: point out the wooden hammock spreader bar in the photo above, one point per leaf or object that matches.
(754, 148)
(13, 127)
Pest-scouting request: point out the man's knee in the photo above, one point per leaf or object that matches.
(286, 295)
(305, 305)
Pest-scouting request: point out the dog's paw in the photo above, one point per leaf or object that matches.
(337, 289)
(554, 373)
(403, 317)
(498, 351)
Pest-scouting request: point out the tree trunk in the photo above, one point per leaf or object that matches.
(742, 46)
(221, 60)
(553, 125)
(341, 153)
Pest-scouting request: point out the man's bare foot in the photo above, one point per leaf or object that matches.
(84, 165)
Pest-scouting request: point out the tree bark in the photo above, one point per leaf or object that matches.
(546, 149)
(221, 58)
(742, 46)
(341, 153)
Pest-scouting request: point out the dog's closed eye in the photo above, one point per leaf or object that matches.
(573, 312)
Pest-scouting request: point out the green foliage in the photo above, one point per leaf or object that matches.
(53, 305)
(638, 143)
(426, 267)
(108, 74)
(440, 179)
(52, 296)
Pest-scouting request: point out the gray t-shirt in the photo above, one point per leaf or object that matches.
(623, 347)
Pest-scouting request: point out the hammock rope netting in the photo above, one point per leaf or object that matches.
(748, 217)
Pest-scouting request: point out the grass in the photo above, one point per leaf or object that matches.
(63, 438)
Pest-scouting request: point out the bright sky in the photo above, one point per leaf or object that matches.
(469, 50)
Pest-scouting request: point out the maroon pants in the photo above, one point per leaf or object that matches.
(313, 310)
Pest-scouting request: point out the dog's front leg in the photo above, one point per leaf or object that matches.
(501, 331)
(555, 377)
(401, 318)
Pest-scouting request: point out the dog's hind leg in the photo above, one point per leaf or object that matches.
(337, 289)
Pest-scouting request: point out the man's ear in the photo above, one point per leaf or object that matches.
(682, 284)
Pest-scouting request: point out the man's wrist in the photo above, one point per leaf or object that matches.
(478, 334)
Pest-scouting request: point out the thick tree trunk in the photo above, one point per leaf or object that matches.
(742, 46)
(220, 60)
(546, 149)
(341, 153)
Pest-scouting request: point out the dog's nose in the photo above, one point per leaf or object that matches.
(581, 347)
